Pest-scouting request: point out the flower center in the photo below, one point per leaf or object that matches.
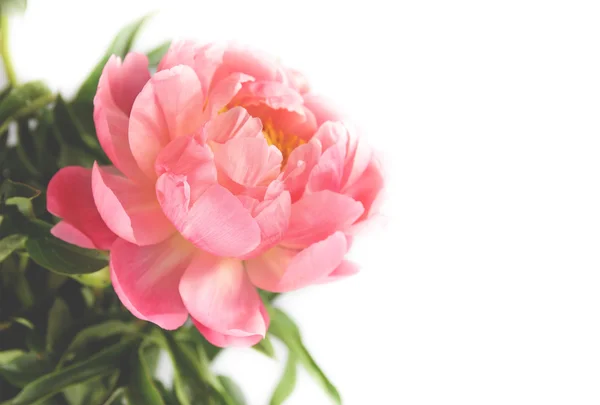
(286, 143)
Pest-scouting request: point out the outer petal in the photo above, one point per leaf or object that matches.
(146, 279)
(223, 340)
(203, 59)
(367, 188)
(223, 92)
(234, 123)
(216, 222)
(299, 166)
(328, 172)
(220, 297)
(119, 85)
(129, 210)
(283, 269)
(321, 108)
(69, 196)
(67, 232)
(238, 59)
(273, 94)
(345, 269)
(316, 216)
(170, 105)
(248, 161)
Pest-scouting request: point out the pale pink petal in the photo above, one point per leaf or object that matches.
(316, 216)
(129, 210)
(118, 87)
(273, 217)
(238, 59)
(67, 232)
(297, 80)
(216, 222)
(299, 123)
(219, 295)
(146, 279)
(272, 94)
(69, 196)
(345, 269)
(223, 92)
(248, 161)
(367, 188)
(299, 166)
(234, 123)
(223, 340)
(357, 159)
(186, 156)
(322, 108)
(328, 172)
(203, 59)
(170, 105)
(282, 269)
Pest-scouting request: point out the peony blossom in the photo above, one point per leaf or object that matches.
(229, 175)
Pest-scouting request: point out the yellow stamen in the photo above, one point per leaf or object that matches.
(286, 143)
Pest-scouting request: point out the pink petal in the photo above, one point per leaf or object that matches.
(146, 279)
(170, 105)
(357, 159)
(223, 340)
(316, 216)
(322, 108)
(367, 188)
(220, 297)
(233, 123)
(273, 94)
(129, 210)
(69, 196)
(298, 81)
(299, 166)
(273, 217)
(216, 222)
(328, 172)
(203, 59)
(248, 161)
(238, 59)
(185, 156)
(118, 87)
(345, 269)
(223, 92)
(282, 269)
(67, 232)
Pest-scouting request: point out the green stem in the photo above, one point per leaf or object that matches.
(4, 51)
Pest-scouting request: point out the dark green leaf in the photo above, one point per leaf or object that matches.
(233, 389)
(265, 347)
(14, 278)
(74, 156)
(167, 395)
(63, 258)
(93, 392)
(120, 46)
(9, 355)
(18, 194)
(287, 383)
(286, 330)
(117, 397)
(103, 363)
(156, 54)
(93, 334)
(23, 101)
(59, 322)
(24, 369)
(141, 388)
(10, 244)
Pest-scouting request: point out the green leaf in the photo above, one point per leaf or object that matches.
(120, 46)
(117, 397)
(9, 355)
(19, 195)
(156, 54)
(99, 279)
(63, 258)
(265, 347)
(59, 322)
(13, 6)
(93, 334)
(93, 392)
(23, 369)
(233, 389)
(104, 363)
(287, 383)
(141, 388)
(23, 101)
(286, 330)
(10, 244)
(167, 396)
(13, 277)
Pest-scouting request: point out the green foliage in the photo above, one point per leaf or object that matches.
(287, 383)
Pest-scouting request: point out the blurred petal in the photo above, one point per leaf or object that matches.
(216, 222)
(316, 216)
(220, 297)
(146, 279)
(69, 196)
(283, 269)
(129, 210)
(345, 269)
(170, 105)
(322, 108)
(203, 59)
(367, 188)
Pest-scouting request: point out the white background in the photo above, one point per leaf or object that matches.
(481, 282)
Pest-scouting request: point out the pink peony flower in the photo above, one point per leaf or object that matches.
(229, 174)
